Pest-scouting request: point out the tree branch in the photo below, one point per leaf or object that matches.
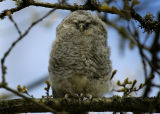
(30, 86)
(12, 10)
(112, 10)
(147, 25)
(115, 103)
(31, 100)
(3, 67)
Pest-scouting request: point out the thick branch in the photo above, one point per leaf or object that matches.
(112, 10)
(149, 26)
(116, 104)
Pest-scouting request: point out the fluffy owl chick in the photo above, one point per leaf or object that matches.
(79, 60)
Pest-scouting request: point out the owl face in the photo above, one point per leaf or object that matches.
(83, 21)
(81, 25)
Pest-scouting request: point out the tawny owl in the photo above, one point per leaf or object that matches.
(80, 57)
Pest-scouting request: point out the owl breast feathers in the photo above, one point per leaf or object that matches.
(79, 60)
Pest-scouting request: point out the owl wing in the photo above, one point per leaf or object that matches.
(101, 62)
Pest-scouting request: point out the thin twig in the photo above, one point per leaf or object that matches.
(149, 62)
(15, 24)
(155, 85)
(3, 67)
(12, 10)
(29, 99)
(142, 57)
(3, 84)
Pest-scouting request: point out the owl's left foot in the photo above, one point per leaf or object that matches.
(85, 97)
(80, 96)
(71, 96)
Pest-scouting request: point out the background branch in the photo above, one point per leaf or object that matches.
(3, 84)
(147, 25)
(29, 86)
(3, 67)
(33, 101)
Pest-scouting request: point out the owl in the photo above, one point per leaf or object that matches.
(80, 57)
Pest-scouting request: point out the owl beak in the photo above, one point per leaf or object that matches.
(82, 27)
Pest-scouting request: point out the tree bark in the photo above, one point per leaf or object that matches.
(112, 104)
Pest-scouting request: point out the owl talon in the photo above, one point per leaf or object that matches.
(66, 96)
(71, 96)
(81, 95)
(89, 96)
(85, 97)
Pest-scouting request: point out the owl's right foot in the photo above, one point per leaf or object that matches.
(80, 96)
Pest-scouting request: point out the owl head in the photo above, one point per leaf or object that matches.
(82, 21)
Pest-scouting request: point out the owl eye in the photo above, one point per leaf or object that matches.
(87, 24)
